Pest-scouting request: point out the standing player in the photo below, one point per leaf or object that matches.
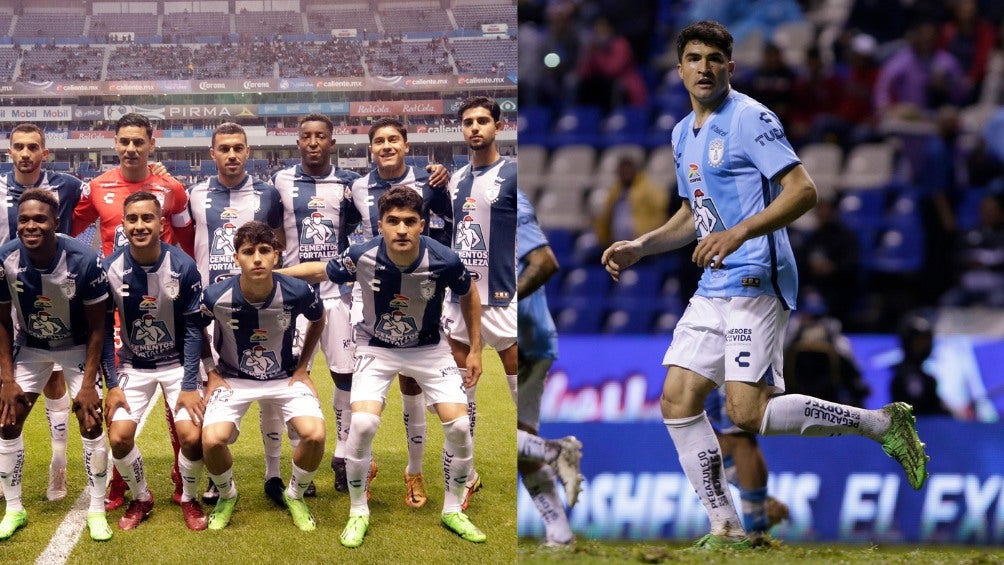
(156, 289)
(732, 149)
(60, 294)
(102, 200)
(27, 151)
(484, 207)
(540, 458)
(404, 276)
(255, 315)
(388, 148)
(218, 205)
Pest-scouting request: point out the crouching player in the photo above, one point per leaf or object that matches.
(156, 288)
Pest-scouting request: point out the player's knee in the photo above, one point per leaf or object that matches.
(312, 433)
(458, 433)
(213, 439)
(120, 443)
(190, 437)
(364, 426)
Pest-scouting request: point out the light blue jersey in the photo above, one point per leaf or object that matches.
(728, 171)
(537, 336)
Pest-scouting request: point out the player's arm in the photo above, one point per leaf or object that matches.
(189, 397)
(310, 339)
(674, 234)
(541, 264)
(10, 393)
(438, 175)
(798, 196)
(312, 272)
(87, 399)
(470, 309)
(115, 398)
(84, 213)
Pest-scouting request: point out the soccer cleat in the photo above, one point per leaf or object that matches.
(473, 485)
(567, 466)
(310, 491)
(221, 515)
(97, 525)
(355, 530)
(178, 484)
(274, 488)
(777, 512)
(300, 513)
(57, 482)
(12, 522)
(711, 541)
(551, 544)
(416, 497)
(338, 466)
(211, 495)
(195, 518)
(460, 524)
(137, 512)
(902, 443)
(116, 493)
(369, 479)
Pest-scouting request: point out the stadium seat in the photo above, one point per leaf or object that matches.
(661, 131)
(641, 282)
(570, 175)
(794, 38)
(461, 160)
(591, 283)
(532, 163)
(869, 166)
(967, 212)
(420, 161)
(208, 168)
(533, 124)
(577, 125)
(628, 321)
(579, 317)
(899, 249)
(6, 167)
(823, 162)
(561, 242)
(661, 167)
(625, 125)
(557, 209)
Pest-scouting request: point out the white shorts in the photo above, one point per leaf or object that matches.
(432, 366)
(229, 405)
(33, 367)
(498, 325)
(337, 341)
(732, 339)
(140, 385)
(531, 377)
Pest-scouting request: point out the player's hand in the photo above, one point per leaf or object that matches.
(438, 175)
(473, 368)
(114, 400)
(194, 403)
(88, 404)
(302, 376)
(715, 247)
(158, 169)
(619, 256)
(11, 395)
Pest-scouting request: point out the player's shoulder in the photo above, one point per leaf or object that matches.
(439, 252)
(179, 259)
(115, 258)
(292, 285)
(746, 107)
(9, 247)
(201, 186)
(345, 175)
(61, 180)
(259, 184)
(216, 290)
(76, 248)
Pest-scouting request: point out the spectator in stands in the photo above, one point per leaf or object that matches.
(911, 383)
(772, 83)
(969, 37)
(856, 103)
(830, 261)
(608, 74)
(818, 93)
(981, 257)
(635, 205)
(993, 82)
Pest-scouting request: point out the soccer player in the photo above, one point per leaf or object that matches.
(102, 199)
(156, 289)
(484, 207)
(388, 148)
(57, 282)
(733, 151)
(27, 151)
(540, 458)
(404, 276)
(218, 205)
(255, 315)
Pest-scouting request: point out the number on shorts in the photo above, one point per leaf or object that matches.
(363, 361)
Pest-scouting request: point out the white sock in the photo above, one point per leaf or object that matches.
(530, 447)
(797, 414)
(513, 387)
(540, 485)
(472, 405)
(11, 468)
(190, 473)
(343, 415)
(458, 461)
(131, 469)
(271, 436)
(96, 465)
(413, 408)
(225, 483)
(358, 455)
(57, 412)
(299, 481)
(701, 459)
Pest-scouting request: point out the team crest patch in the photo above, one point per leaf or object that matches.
(69, 288)
(256, 201)
(427, 289)
(716, 152)
(283, 318)
(349, 264)
(172, 287)
(492, 192)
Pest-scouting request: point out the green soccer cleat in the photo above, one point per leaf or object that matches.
(460, 524)
(12, 522)
(97, 525)
(355, 530)
(902, 443)
(301, 514)
(711, 541)
(224, 510)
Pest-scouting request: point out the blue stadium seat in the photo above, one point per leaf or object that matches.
(208, 168)
(591, 283)
(635, 320)
(640, 282)
(899, 247)
(419, 161)
(625, 125)
(661, 130)
(533, 124)
(562, 242)
(967, 211)
(461, 159)
(6, 167)
(582, 316)
(577, 125)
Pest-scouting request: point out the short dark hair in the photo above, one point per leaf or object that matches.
(400, 197)
(318, 117)
(134, 119)
(389, 122)
(256, 233)
(28, 128)
(480, 102)
(141, 196)
(707, 32)
(41, 195)
(227, 128)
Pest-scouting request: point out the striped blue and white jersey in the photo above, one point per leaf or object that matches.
(66, 189)
(401, 308)
(536, 334)
(484, 211)
(728, 171)
(50, 302)
(218, 211)
(315, 213)
(437, 209)
(255, 341)
(157, 304)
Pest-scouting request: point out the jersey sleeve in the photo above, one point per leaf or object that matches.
(191, 292)
(206, 309)
(95, 287)
(84, 214)
(762, 138)
(458, 276)
(529, 236)
(180, 216)
(341, 269)
(313, 307)
(275, 210)
(4, 289)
